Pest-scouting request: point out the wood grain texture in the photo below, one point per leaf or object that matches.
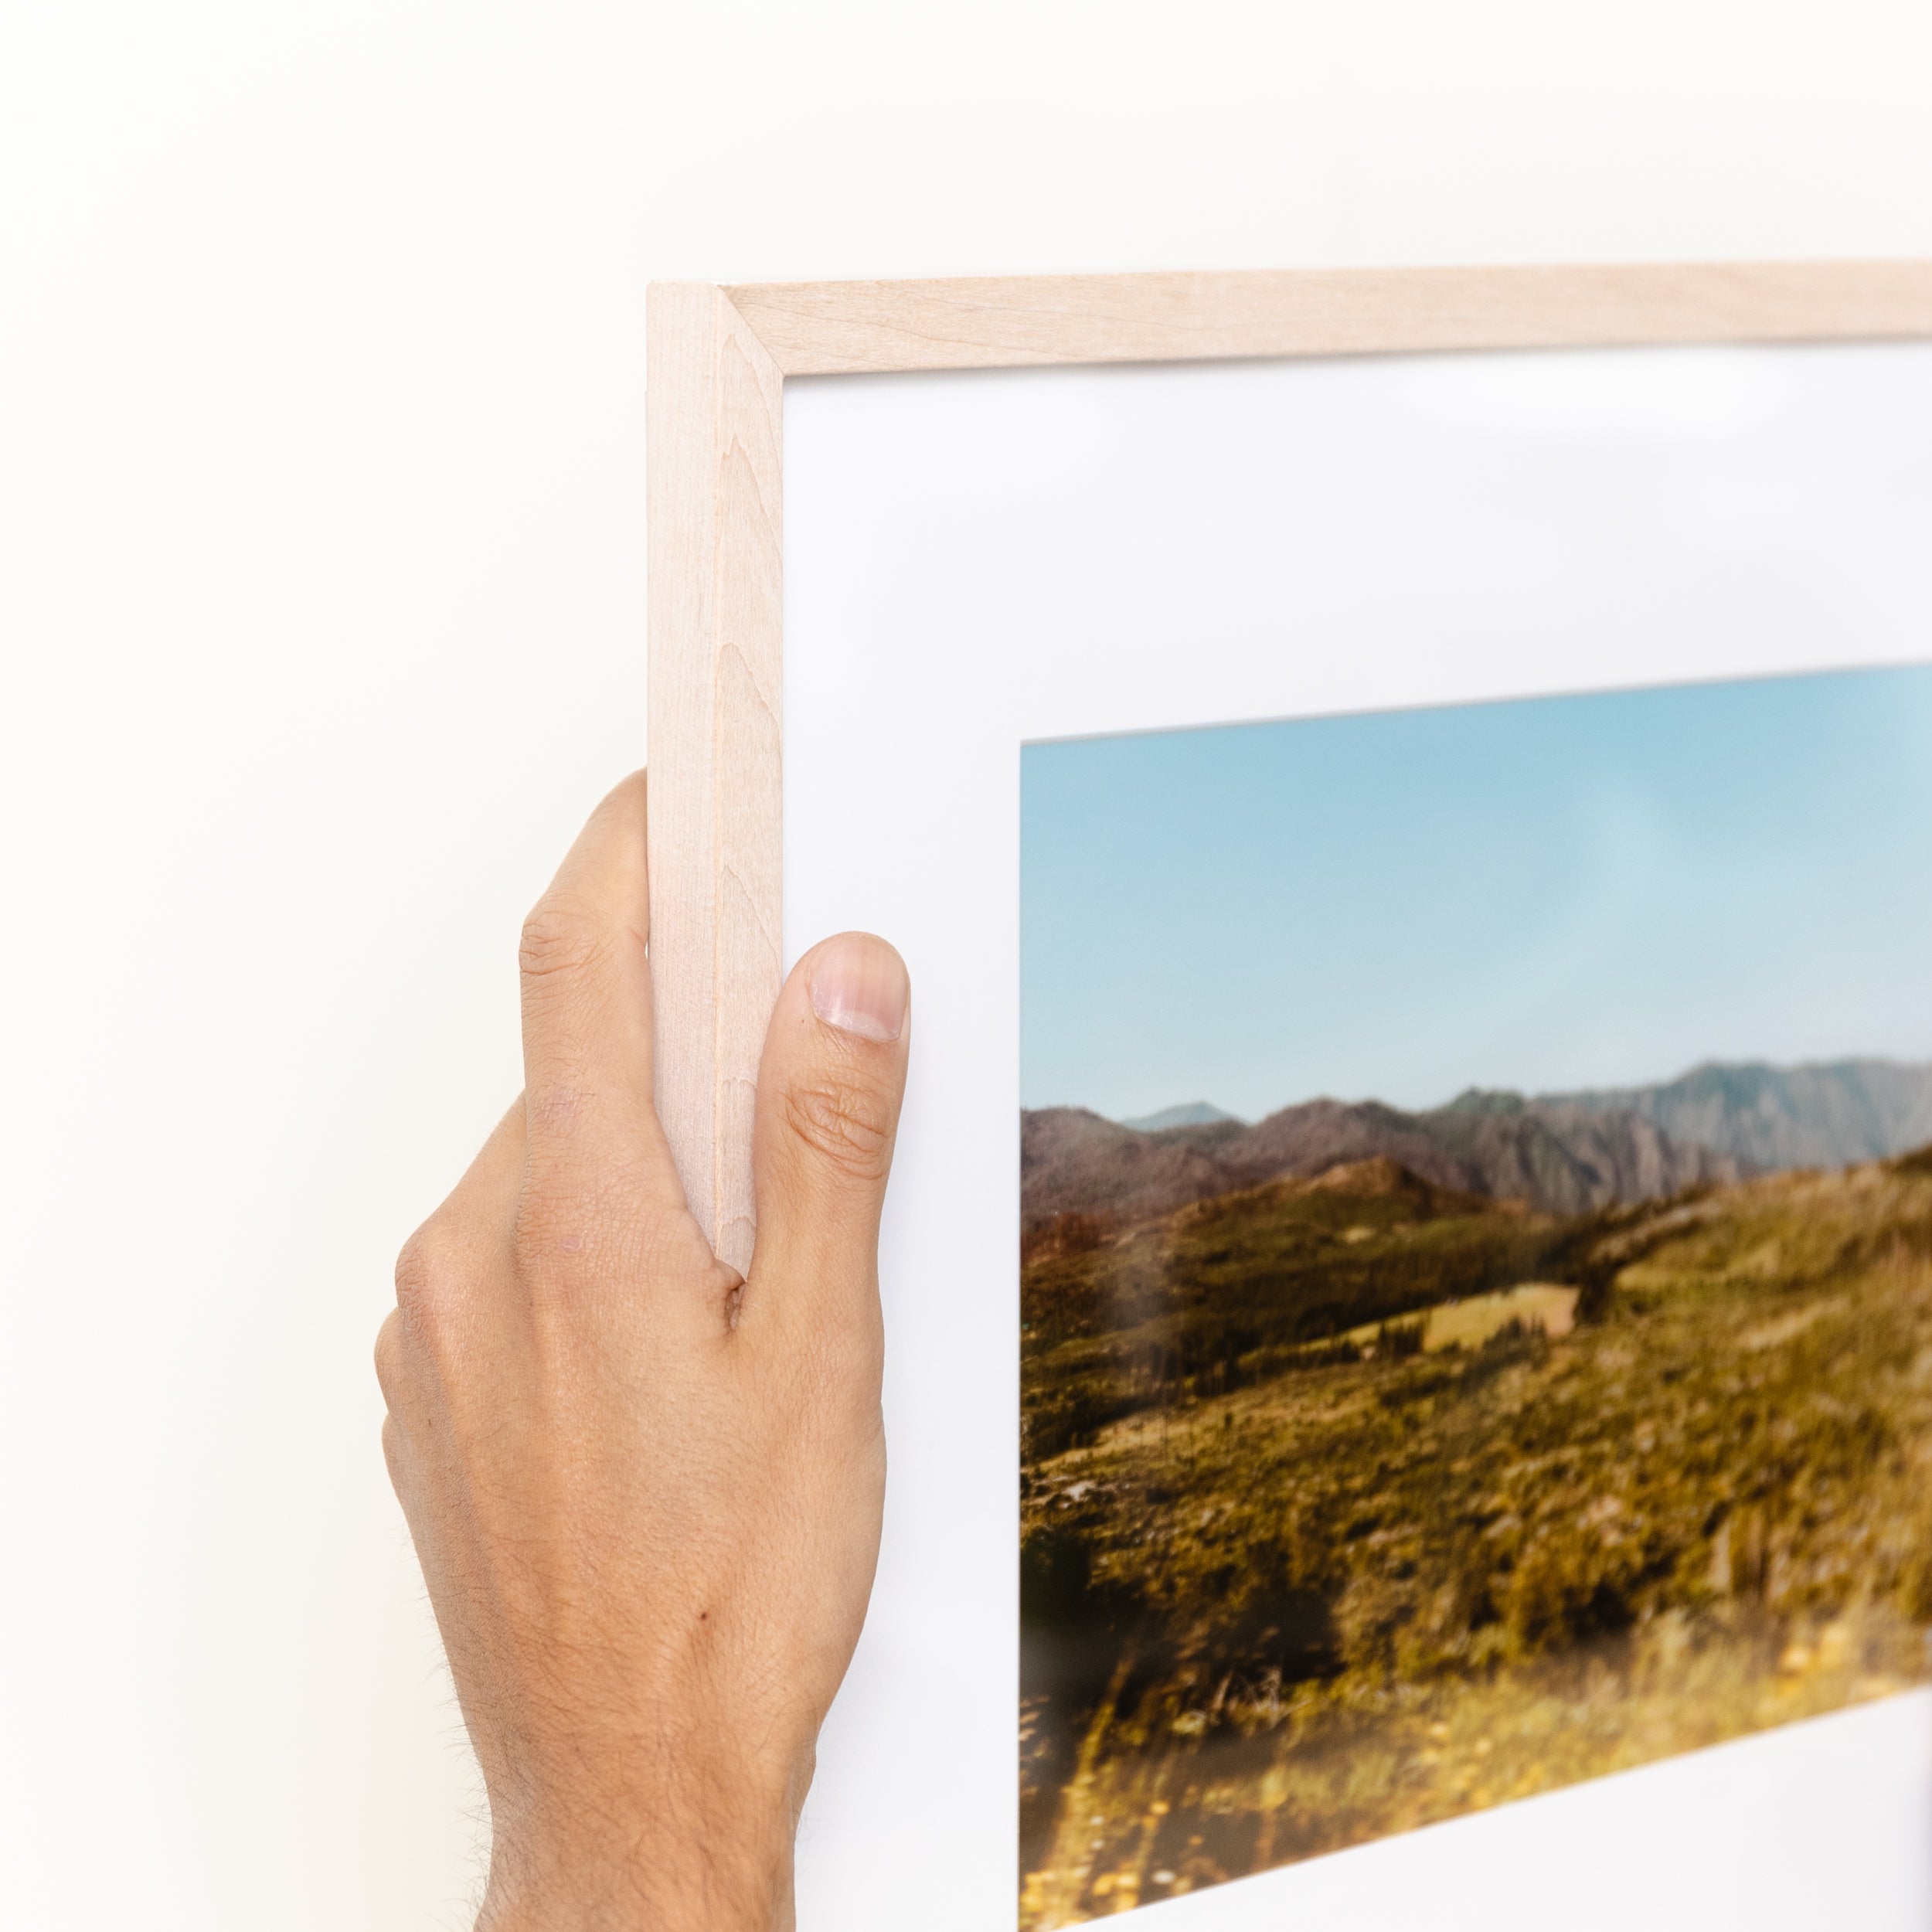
(718, 360)
(820, 328)
(714, 412)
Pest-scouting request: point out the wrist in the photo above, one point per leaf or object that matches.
(672, 1863)
(695, 1889)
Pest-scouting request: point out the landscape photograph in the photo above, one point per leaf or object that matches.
(1476, 1261)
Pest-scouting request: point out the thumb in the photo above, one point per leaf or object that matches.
(829, 1087)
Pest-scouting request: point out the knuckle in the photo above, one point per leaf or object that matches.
(551, 1230)
(542, 1220)
(570, 1228)
(559, 936)
(846, 1120)
(431, 1276)
(388, 1357)
(395, 1448)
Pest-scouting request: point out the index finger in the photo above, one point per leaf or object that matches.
(586, 976)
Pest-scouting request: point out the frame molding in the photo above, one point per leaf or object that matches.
(718, 358)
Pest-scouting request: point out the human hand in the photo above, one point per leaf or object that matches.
(646, 1494)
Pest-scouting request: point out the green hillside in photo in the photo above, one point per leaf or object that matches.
(1352, 1501)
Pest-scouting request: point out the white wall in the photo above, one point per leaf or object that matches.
(321, 588)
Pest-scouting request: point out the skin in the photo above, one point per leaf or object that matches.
(645, 1492)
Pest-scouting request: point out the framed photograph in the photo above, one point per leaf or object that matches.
(1406, 798)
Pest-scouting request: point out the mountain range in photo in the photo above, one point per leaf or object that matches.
(1563, 1153)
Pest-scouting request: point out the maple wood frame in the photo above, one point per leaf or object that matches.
(718, 358)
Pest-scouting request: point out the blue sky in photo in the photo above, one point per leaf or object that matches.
(1543, 894)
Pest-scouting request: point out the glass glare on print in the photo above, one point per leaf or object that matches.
(1476, 1266)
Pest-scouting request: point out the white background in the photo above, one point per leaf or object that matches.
(973, 561)
(322, 604)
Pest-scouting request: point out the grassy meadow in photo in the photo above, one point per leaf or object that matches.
(1538, 1409)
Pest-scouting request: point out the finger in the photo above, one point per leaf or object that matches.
(829, 1088)
(587, 1004)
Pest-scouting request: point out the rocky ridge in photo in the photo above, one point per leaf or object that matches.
(1559, 1153)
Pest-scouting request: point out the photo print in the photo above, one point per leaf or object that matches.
(1476, 1260)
